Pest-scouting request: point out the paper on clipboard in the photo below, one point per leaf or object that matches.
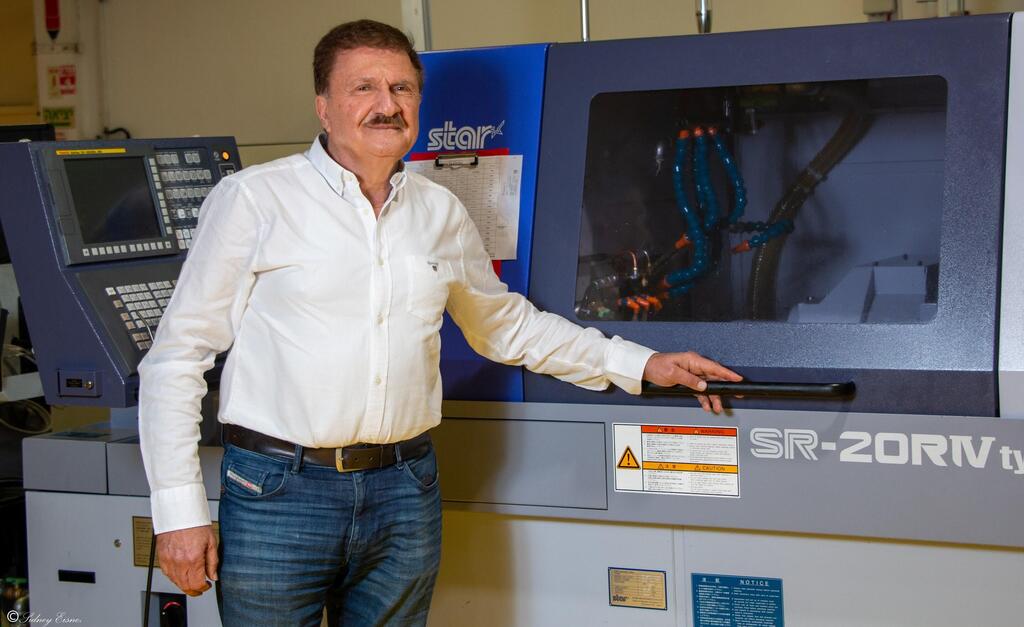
(490, 190)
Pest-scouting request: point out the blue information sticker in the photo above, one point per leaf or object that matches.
(736, 601)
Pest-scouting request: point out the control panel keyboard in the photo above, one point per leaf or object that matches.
(186, 177)
(140, 306)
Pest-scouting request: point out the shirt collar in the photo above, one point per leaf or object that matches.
(341, 180)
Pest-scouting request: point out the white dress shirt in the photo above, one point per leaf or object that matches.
(332, 317)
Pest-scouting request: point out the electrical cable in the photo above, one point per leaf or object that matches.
(149, 577)
(19, 351)
(31, 407)
(764, 266)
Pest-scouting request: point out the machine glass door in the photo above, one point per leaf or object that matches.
(813, 206)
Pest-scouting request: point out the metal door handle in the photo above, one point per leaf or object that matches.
(759, 389)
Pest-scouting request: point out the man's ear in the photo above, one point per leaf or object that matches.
(321, 112)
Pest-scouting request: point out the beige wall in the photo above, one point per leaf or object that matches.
(994, 6)
(473, 23)
(242, 67)
(470, 23)
(17, 63)
(230, 67)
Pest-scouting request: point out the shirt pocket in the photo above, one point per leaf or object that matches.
(428, 281)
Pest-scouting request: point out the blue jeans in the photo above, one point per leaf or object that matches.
(295, 537)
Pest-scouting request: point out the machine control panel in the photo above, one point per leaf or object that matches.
(99, 231)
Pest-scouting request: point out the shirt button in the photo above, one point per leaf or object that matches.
(376, 380)
(380, 261)
(380, 319)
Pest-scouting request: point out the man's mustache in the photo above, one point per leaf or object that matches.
(387, 120)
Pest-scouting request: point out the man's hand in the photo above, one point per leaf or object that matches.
(691, 370)
(189, 557)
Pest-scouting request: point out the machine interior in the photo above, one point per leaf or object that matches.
(800, 202)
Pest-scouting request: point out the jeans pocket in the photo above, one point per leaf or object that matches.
(423, 470)
(250, 476)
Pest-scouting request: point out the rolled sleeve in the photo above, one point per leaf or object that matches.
(625, 362)
(179, 508)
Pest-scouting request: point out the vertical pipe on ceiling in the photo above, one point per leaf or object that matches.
(585, 19)
(703, 11)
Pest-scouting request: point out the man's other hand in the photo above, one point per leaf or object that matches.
(189, 557)
(691, 370)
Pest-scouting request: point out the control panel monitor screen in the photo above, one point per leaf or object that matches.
(112, 199)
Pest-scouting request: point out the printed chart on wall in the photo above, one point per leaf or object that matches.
(677, 459)
(489, 187)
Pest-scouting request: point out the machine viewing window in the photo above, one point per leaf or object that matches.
(112, 199)
(800, 202)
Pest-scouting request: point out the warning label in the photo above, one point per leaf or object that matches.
(674, 459)
(628, 460)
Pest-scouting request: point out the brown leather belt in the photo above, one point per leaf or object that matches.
(347, 459)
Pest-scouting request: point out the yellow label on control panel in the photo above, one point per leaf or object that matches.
(93, 151)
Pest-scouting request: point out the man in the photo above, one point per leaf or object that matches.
(327, 274)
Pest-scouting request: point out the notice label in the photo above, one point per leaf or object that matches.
(674, 459)
(630, 587)
(730, 601)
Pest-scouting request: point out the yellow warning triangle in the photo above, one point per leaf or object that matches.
(628, 460)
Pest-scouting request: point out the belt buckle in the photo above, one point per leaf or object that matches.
(365, 457)
(368, 458)
(339, 460)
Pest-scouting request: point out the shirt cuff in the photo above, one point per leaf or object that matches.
(181, 507)
(625, 362)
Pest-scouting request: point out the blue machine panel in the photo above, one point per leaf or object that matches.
(486, 101)
(888, 273)
(97, 232)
